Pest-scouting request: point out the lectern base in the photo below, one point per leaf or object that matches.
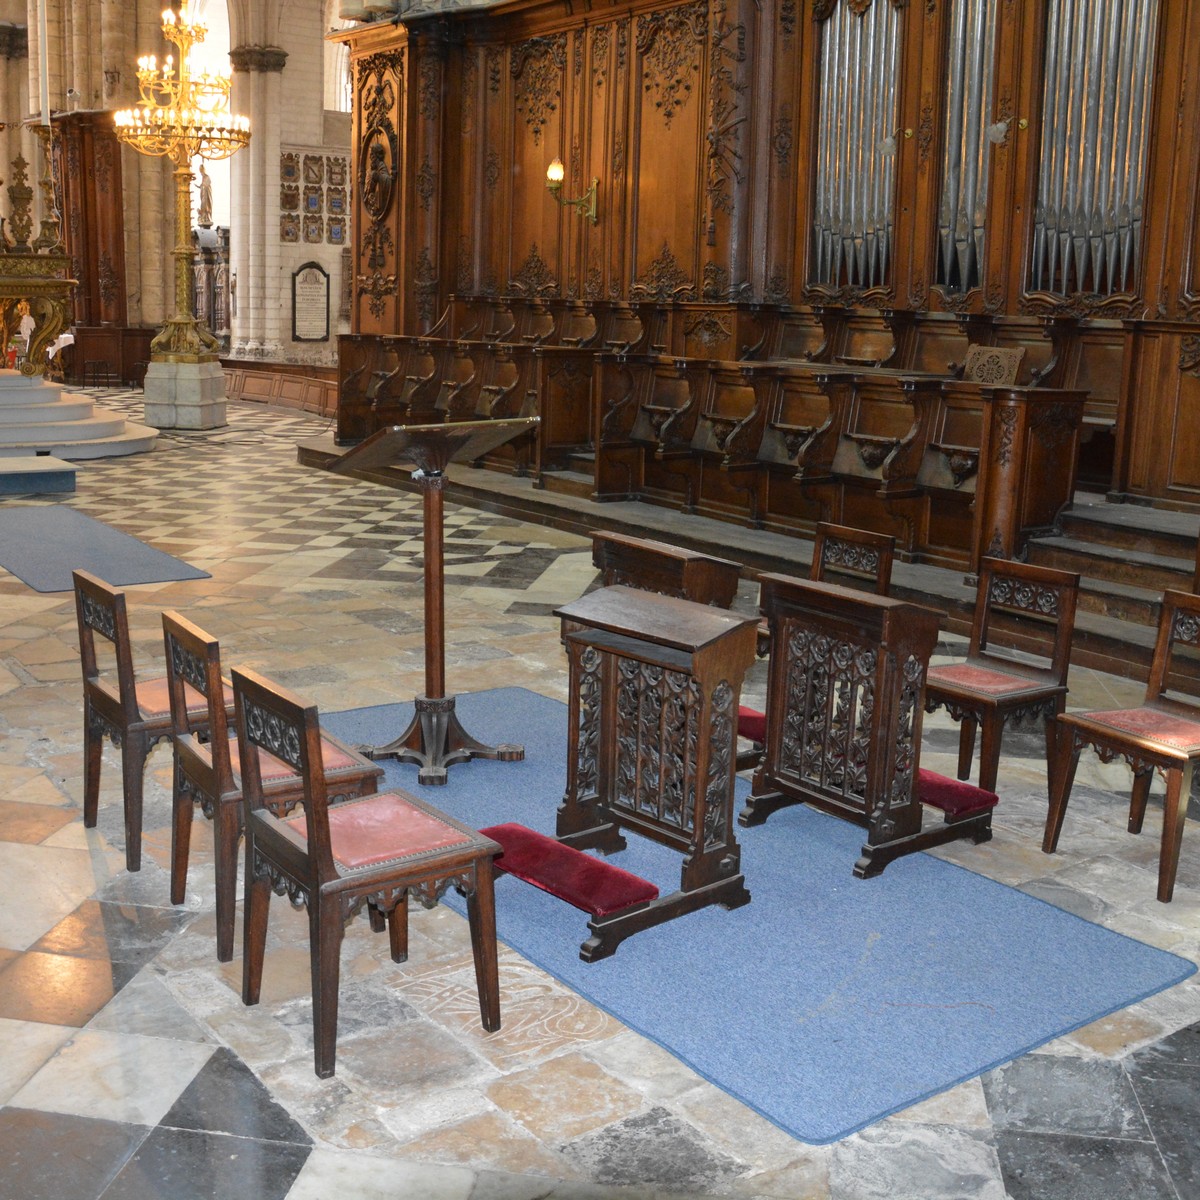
(435, 740)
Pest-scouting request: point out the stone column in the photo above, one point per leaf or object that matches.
(254, 234)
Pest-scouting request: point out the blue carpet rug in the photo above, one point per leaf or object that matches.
(41, 544)
(826, 1003)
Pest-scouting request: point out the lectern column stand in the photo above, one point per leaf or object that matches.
(435, 739)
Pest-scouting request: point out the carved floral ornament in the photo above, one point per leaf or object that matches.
(670, 44)
(537, 69)
(823, 9)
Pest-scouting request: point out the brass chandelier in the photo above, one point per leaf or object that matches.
(182, 116)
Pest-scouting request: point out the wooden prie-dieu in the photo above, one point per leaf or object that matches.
(845, 696)
(654, 688)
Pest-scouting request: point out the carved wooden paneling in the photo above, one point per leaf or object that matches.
(93, 225)
(379, 168)
(700, 119)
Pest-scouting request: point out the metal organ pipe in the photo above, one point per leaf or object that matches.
(852, 223)
(1087, 222)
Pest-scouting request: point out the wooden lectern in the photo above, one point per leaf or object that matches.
(845, 697)
(655, 682)
(435, 739)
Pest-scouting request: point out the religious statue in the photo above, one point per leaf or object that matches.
(205, 215)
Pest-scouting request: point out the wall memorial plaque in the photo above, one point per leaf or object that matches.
(310, 303)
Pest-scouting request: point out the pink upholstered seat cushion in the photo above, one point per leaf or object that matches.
(975, 678)
(752, 724)
(1175, 731)
(954, 797)
(154, 697)
(381, 829)
(589, 883)
(273, 770)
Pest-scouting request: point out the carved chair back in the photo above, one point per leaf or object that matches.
(276, 720)
(859, 554)
(1178, 636)
(1018, 603)
(993, 364)
(100, 609)
(194, 663)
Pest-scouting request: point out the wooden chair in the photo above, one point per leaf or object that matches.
(135, 713)
(205, 774)
(858, 555)
(1162, 734)
(991, 688)
(334, 860)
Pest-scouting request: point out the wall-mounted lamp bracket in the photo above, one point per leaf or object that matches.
(586, 204)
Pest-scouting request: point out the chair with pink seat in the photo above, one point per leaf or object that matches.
(134, 712)
(1019, 607)
(205, 774)
(1162, 734)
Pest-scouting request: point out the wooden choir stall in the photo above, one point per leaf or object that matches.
(844, 706)
(654, 688)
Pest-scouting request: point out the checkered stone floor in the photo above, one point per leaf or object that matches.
(131, 1068)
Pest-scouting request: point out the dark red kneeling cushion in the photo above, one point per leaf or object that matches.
(953, 796)
(588, 883)
(752, 724)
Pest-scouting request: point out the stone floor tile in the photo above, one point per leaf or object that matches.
(125, 1076)
(899, 1161)
(1040, 1165)
(183, 1164)
(365, 1177)
(59, 989)
(48, 1156)
(28, 1045)
(563, 1098)
(227, 1097)
(1052, 1095)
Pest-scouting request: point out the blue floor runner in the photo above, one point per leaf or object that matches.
(41, 544)
(826, 1003)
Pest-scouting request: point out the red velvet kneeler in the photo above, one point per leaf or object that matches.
(752, 724)
(580, 879)
(954, 797)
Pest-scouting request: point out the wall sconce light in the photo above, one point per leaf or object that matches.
(586, 203)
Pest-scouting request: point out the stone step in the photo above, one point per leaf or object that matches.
(42, 433)
(129, 438)
(77, 408)
(1133, 527)
(35, 474)
(568, 483)
(1113, 564)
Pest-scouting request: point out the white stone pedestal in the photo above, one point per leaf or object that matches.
(185, 395)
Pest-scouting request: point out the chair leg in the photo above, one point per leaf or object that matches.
(227, 830)
(966, 746)
(135, 749)
(1066, 759)
(397, 922)
(481, 915)
(377, 919)
(1051, 748)
(93, 749)
(1138, 798)
(181, 835)
(325, 933)
(254, 929)
(1179, 788)
(992, 727)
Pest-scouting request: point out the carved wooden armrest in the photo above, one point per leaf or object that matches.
(962, 461)
(794, 436)
(872, 449)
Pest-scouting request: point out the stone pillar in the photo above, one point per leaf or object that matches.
(254, 245)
